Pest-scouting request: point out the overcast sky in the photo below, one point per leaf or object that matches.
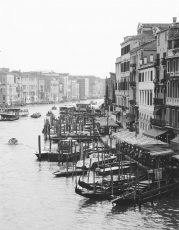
(73, 36)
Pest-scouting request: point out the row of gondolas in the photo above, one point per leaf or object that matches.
(124, 174)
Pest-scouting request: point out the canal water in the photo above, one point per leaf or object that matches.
(31, 198)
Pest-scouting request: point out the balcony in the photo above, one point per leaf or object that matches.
(158, 101)
(173, 74)
(133, 66)
(132, 84)
(163, 61)
(172, 101)
(158, 123)
(122, 86)
(173, 52)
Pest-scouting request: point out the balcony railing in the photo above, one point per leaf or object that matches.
(132, 83)
(122, 86)
(132, 102)
(158, 101)
(158, 123)
(173, 74)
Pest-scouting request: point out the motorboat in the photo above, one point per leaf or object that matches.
(36, 115)
(13, 141)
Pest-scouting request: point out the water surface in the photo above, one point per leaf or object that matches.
(31, 198)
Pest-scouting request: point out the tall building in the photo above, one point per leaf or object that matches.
(83, 88)
(166, 101)
(134, 49)
(8, 88)
(172, 95)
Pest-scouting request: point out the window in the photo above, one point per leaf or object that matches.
(143, 77)
(158, 39)
(177, 65)
(173, 117)
(168, 67)
(169, 44)
(174, 65)
(176, 43)
(151, 75)
(139, 77)
(151, 58)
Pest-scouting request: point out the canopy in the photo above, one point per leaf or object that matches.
(162, 153)
(176, 157)
(154, 133)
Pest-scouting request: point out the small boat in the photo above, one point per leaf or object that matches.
(36, 115)
(13, 141)
(43, 156)
(104, 189)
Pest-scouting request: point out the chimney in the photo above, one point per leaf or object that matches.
(174, 19)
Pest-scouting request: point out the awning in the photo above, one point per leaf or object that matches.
(154, 133)
(176, 157)
(161, 153)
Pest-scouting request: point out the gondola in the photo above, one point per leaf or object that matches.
(69, 172)
(36, 115)
(8, 117)
(139, 194)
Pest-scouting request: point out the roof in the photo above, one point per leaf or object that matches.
(135, 37)
(161, 26)
(131, 138)
(154, 133)
(150, 45)
(158, 149)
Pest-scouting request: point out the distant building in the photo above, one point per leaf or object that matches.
(8, 88)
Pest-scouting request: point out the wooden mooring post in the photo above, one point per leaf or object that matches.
(39, 145)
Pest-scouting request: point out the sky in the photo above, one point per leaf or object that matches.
(79, 37)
